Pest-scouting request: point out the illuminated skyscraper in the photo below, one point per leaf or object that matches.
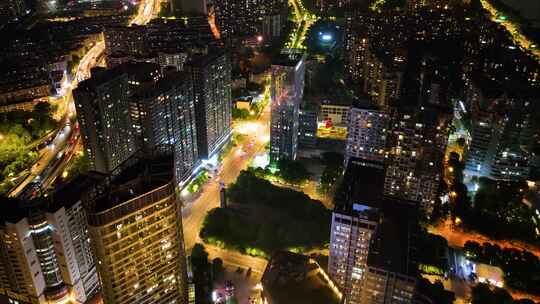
(45, 254)
(371, 257)
(287, 90)
(102, 105)
(383, 74)
(391, 272)
(416, 148)
(211, 76)
(164, 113)
(367, 132)
(354, 221)
(135, 225)
(237, 18)
(501, 134)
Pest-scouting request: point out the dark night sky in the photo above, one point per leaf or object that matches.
(529, 8)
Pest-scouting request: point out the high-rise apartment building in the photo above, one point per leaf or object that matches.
(409, 141)
(435, 81)
(371, 251)
(485, 135)
(164, 113)
(307, 128)
(336, 113)
(501, 135)
(126, 40)
(354, 221)
(416, 148)
(158, 109)
(102, 104)
(356, 57)
(135, 226)
(383, 74)
(367, 132)
(391, 273)
(355, 45)
(164, 41)
(237, 18)
(45, 250)
(287, 91)
(172, 59)
(211, 76)
(352, 230)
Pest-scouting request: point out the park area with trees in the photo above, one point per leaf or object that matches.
(521, 268)
(291, 172)
(495, 209)
(205, 273)
(18, 129)
(264, 218)
(487, 294)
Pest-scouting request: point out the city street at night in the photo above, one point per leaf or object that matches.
(269, 152)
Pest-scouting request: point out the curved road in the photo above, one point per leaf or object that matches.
(235, 161)
(147, 9)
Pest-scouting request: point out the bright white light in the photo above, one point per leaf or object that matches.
(326, 37)
(259, 38)
(462, 106)
(246, 128)
(261, 161)
(211, 162)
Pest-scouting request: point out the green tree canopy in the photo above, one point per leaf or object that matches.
(293, 172)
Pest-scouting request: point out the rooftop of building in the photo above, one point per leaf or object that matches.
(392, 247)
(202, 60)
(291, 278)
(71, 193)
(172, 79)
(138, 175)
(15, 209)
(363, 183)
(365, 103)
(142, 71)
(362, 192)
(98, 77)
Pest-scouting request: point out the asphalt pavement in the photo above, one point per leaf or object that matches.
(235, 161)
